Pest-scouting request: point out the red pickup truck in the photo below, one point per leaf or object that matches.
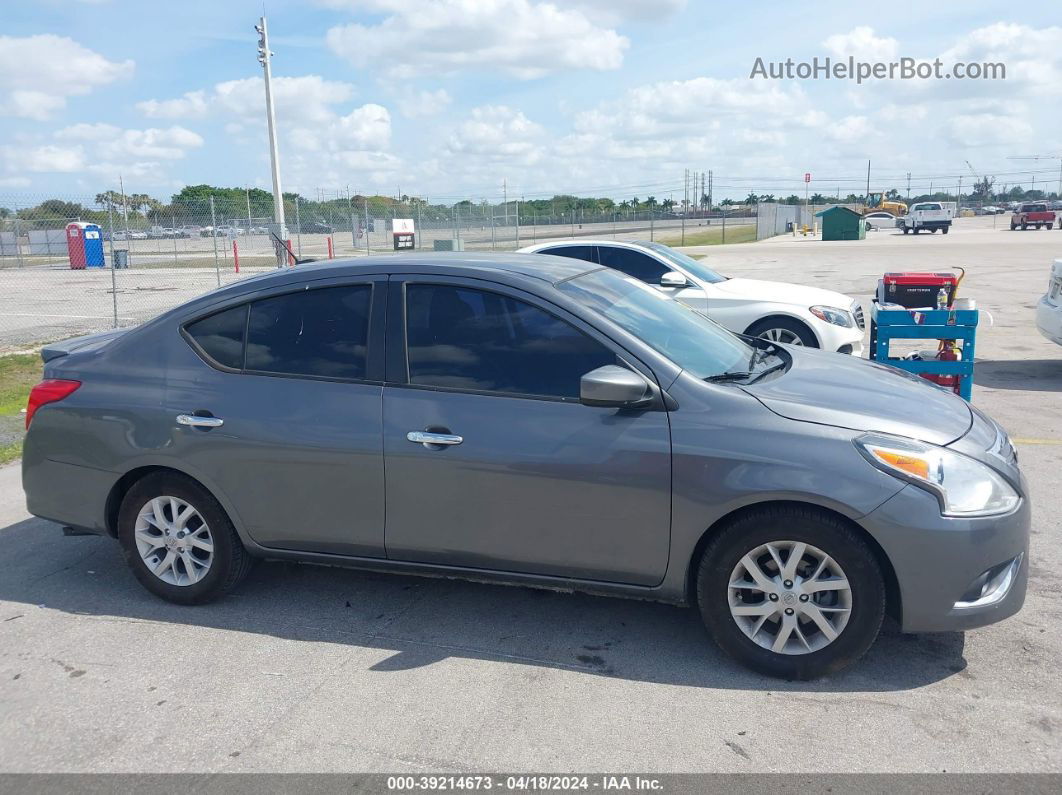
(1035, 214)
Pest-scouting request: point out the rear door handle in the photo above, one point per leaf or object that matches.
(199, 422)
(427, 439)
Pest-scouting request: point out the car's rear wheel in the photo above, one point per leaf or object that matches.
(791, 592)
(785, 330)
(178, 540)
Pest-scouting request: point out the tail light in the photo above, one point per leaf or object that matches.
(48, 391)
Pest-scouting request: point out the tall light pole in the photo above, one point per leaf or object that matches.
(264, 56)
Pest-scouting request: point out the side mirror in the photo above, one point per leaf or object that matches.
(674, 279)
(613, 385)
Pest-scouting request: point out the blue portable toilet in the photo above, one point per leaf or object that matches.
(84, 245)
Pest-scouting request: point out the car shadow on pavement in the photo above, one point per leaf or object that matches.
(419, 621)
(1029, 375)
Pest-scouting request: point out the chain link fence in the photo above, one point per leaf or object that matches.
(167, 254)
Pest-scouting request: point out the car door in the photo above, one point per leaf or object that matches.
(295, 379)
(527, 479)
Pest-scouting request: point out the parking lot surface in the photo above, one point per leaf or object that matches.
(307, 668)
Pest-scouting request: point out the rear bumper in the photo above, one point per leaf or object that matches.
(65, 493)
(938, 559)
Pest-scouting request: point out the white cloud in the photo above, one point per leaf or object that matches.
(46, 158)
(112, 142)
(862, 44)
(102, 149)
(850, 129)
(419, 104)
(38, 73)
(987, 129)
(192, 105)
(308, 98)
(660, 111)
(498, 133)
(524, 38)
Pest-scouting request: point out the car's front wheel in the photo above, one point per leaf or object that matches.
(791, 592)
(785, 330)
(178, 540)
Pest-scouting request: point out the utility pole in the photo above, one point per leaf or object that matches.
(868, 184)
(709, 191)
(908, 187)
(685, 201)
(505, 200)
(958, 196)
(264, 56)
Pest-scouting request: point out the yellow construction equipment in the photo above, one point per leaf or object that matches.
(876, 202)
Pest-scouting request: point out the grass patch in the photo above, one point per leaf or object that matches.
(10, 452)
(713, 236)
(18, 374)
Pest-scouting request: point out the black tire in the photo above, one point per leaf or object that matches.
(807, 338)
(1013, 227)
(906, 229)
(917, 229)
(933, 230)
(946, 229)
(1024, 227)
(792, 523)
(231, 562)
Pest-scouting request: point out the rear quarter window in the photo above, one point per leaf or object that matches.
(221, 336)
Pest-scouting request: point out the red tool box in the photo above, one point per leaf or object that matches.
(915, 290)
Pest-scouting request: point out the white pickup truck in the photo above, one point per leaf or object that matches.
(928, 216)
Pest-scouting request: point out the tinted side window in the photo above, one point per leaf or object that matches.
(633, 263)
(221, 336)
(472, 339)
(572, 252)
(320, 332)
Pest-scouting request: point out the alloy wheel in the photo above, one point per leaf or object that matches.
(782, 335)
(174, 540)
(789, 597)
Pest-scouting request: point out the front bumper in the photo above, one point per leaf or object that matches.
(1049, 320)
(839, 338)
(938, 559)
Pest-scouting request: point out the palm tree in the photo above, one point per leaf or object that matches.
(752, 198)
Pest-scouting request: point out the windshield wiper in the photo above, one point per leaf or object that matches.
(760, 354)
(734, 375)
(772, 369)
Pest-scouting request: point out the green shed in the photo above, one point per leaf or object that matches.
(840, 223)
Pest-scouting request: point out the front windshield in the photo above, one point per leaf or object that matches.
(698, 269)
(693, 342)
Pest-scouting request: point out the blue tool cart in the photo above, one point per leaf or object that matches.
(928, 324)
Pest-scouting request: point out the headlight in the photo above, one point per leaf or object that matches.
(964, 486)
(831, 314)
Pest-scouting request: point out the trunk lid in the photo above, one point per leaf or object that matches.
(88, 342)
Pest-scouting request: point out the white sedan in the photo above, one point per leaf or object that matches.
(1049, 310)
(776, 311)
(881, 221)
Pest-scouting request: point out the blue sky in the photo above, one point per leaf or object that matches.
(446, 98)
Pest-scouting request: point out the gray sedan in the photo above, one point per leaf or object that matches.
(535, 420)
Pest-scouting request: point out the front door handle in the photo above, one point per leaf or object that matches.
(428, 439)
(199, 422)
